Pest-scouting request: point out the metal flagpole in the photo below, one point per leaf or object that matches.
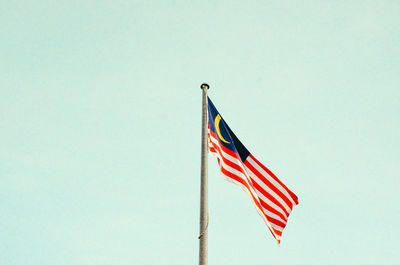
(203, 249)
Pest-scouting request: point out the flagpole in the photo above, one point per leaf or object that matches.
(203, 237)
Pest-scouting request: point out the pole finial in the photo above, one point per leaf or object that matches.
(205, 86)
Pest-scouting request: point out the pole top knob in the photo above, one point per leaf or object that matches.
(205, 86)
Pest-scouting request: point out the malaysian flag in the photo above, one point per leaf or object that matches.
(272, 199)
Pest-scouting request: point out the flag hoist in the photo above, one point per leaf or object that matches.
(272, 199)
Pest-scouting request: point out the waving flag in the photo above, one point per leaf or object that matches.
(272, 199)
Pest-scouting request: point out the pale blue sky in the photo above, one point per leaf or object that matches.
(100, 115)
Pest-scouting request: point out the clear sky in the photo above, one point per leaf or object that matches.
(100, 123)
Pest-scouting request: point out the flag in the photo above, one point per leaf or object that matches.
(272, 199)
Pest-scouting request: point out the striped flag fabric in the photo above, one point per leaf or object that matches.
(272, 199)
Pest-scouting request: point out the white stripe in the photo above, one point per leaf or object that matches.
(270, 179)
(267, 189)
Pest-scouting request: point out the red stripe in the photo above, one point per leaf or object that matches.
(294, 197)
(276, 222)
(269, 184)
(279, 233)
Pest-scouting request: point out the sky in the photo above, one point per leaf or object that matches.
(100, 129)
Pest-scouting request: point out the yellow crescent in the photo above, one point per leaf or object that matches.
(216, 122)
